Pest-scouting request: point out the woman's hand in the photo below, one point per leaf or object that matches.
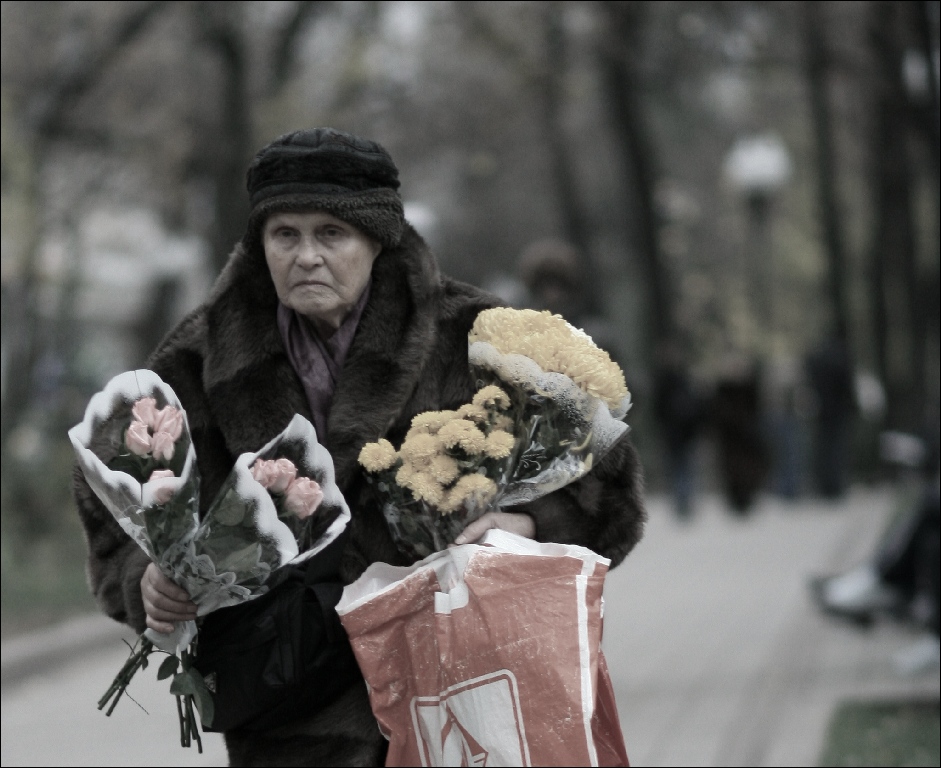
(165, 603)
(515, 522)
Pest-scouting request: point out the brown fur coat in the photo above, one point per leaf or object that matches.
(227, 364)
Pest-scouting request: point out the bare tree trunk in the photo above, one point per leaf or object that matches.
(575, 224)
(926, 18)
(816, 68)
(899, 329)
(221, 25)
(620, 82)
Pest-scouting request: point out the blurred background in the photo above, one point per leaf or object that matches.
(738, 200)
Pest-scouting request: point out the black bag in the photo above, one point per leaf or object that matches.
(281, 656)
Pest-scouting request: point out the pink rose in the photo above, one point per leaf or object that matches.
(274, 476)
(163, 445)
(262, 471)
(163, 492)
(145, 410)
(169, 420)
(303, 497)
(138, 438)
(282, 476)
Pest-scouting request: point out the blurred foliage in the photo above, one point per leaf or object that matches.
(43, 557)
(886, 733)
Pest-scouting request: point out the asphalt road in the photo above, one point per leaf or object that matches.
(717, 655)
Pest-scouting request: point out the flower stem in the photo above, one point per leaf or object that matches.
(191, 723)
(179, 711)
(135, 661)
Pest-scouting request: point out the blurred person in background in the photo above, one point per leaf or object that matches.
(900, 579)
(332, 307)
(680, 412)
(785, 404)
(736, 419)
(830, 376)
(553, 272)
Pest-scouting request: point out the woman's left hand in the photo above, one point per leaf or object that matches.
(515, 522)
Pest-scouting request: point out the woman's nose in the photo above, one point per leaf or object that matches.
(309, 252)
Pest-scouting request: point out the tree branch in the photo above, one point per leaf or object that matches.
(285, 47)
(71, 85)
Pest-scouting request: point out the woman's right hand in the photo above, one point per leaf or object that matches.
(165, 603)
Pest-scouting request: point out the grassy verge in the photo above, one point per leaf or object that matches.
(884, 733)
(43, 546)
(43, 582)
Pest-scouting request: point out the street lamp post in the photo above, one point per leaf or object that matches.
(757, 167)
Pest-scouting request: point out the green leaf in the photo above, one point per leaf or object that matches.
(204, 701)
(168, 667)
(241, 560)
(183, 684)
(230, 513)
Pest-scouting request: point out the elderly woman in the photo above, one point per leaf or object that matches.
(331, 306)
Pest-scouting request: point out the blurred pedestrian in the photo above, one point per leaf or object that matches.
(553, 271)
(785, 400)
(679, 409)
(736, 420)
(830, 375)
(900, 578)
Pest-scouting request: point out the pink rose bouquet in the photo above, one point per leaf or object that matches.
(279, 506)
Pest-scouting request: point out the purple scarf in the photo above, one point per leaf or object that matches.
(318, 362)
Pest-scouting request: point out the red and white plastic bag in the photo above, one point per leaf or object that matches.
(488, 654)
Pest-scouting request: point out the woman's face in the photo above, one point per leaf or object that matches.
(320, 265)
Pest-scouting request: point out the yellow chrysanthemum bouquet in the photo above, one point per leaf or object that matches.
(550, 403)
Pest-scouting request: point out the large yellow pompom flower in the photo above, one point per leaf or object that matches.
(555, 346)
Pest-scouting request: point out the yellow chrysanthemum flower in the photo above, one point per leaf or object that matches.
(476, 489)
(503, 422)
(444, 469)
(425, 488)
(492, 396)
(404, 475)
(550, 342)
(463, 434)
(431, 421)
(375, 457)
(420, 448)
(473, 412)
(499, 444)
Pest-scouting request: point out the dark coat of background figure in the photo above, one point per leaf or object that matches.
(830, 374)
(736, 420)
(680, 412)
(227, 364)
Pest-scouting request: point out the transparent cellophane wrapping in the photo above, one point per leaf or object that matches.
(233, 554)
(560, 433)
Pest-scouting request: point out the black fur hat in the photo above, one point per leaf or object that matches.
(327, 170)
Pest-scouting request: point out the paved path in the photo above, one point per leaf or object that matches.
(717, 655)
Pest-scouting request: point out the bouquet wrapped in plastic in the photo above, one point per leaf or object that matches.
(551, 403)
(277, 507)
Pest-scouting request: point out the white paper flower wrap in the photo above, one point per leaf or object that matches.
(235, 552)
